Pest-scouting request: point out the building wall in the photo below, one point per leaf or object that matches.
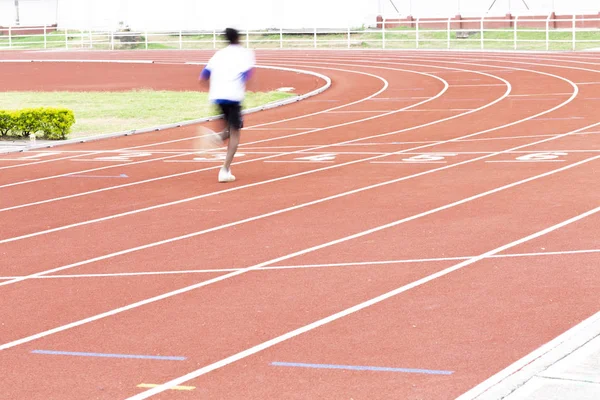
(478, 8)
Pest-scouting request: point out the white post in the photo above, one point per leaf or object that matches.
(146, 38)
(112, 40)
(247, 38)
(281, 38)
(515, 35)
(66, 39)
(315, 37)
(9, 37)
(180, 40)
(574, 33)
(417, 34)
(45, 37)
(383, 34)
(91, 40)
(481, 30)
(348, 36)
(548, 33)
(214, 39)
(448, 33)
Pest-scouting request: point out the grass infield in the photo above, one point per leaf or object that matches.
(107, 112)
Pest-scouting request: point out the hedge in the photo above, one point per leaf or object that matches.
(53, 123)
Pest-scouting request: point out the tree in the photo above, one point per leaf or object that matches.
(17, 10)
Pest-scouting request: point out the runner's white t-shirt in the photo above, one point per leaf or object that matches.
(227, 70)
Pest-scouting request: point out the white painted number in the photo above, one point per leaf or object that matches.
(428, 157)
(318, 157)
(541, 156)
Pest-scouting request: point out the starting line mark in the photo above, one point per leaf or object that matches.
(96, 176)
(153, 385)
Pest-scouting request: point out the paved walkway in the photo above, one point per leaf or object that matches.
(567, 368)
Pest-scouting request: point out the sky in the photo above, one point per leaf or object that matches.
(261, 14)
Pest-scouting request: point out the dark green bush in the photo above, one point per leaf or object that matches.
(6, 122)
(56, 123)
(26, 121)
(53, 123)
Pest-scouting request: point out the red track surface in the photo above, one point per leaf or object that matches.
(421, 169)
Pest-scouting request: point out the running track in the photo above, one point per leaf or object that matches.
(436, 213)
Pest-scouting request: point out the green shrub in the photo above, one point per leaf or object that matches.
(6, 122)
(53, 123)
(56, 123)
(26, 121)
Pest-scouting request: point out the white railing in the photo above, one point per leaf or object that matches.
(574, 33)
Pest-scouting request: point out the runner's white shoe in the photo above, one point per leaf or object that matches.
(225, 176)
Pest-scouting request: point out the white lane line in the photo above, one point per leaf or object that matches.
(359, 111)
(409, 162)
(87, 153)
(260, 141)
(279, 129)
(442, 110)
(301, 161)
(116, 165)
(306, 251)
(382, 90)
(351, 310)
(271, 180)
(385, 86)
(181, 201)
(308, 266)
(250, 143)
(481, 85)
(539, 95)
(434, 170)
(398, 98)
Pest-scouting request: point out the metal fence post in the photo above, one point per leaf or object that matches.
(214, 39)
(383, 34)
(515, 33)
(180, 40)
(574, 34)
(66, 39)
(315, 37)
(45, 37)
(548, 33)
(281, 38)
(481, 31)
(247, 38)
(417, 34)
(9, 37)
(348, 36)
(112, 40)
(146, 39)
(448, 33)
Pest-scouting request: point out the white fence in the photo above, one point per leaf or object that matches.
(551, 33)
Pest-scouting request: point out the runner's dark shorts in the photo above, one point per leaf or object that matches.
(233, 114)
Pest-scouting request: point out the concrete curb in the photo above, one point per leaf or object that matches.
(515, 376)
